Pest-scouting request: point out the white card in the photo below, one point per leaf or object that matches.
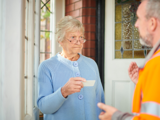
(89, 83)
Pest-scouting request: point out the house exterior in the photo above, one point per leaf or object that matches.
(112, 41)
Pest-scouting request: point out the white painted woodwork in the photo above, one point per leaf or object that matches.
(118, 86)
(12, 59)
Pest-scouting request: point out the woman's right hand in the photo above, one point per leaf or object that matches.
(72, 86)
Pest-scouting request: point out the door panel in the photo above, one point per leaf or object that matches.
(118, 86)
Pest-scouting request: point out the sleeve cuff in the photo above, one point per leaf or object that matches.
(118, 115)
(60, 94)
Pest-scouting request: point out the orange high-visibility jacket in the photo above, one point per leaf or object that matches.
(146, 99)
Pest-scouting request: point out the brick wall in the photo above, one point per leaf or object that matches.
(84, 11)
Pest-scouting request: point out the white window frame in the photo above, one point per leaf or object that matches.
(37, 46)
(33, 58)
(30, 61)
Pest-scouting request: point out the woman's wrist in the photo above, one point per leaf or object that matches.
(63, 92)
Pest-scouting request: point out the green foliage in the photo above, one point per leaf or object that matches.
(47, 35)
(45, 13)
(45, 16)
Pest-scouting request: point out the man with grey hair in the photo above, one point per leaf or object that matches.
(146, 100)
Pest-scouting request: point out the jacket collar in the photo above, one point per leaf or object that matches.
(154, 49)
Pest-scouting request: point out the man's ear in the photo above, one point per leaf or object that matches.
(153, 24)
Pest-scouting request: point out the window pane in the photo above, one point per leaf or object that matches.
(118, 13)
(118, 45)
(139, 54)
(45, 16)
(127, 30)
(45, 42)
(118, 55)
(127, 43)
(118, 32)
(127, 54)
(44, 56)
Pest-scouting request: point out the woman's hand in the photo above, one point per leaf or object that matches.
(133, 72)
(72, 86)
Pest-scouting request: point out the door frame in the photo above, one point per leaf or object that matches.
(100, 37)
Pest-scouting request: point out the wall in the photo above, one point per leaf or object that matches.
(85, 12)
(58, 13)
(12, 59)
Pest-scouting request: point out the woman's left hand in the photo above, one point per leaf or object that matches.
(72, 86)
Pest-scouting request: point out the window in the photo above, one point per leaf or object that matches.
(32, 13)
(46, 33)
(127, 43)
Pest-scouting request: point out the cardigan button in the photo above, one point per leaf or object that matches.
(77, 74)
(75, 64)
(80, 97)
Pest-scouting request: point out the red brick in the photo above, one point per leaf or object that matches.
(93, 58)
(90, 27)
(89, 11)
(78, 5)
(74, 13)
(66, 14)
(67, 2)
(93, 44)
(89, 20)
(80, 19)
(89, 44)
(93, 3)
(92, 52)
(88, 52)
(93, 28)
(89, 35)
(86, 35)
(80, 12)
(93, 36)
(89, 3)
(84, 3)
(73, 1)
(70, 8)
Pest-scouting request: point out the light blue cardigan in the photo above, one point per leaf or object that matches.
(54, 74)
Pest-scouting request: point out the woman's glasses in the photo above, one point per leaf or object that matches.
(74, 40)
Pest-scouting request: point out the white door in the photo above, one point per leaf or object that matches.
(118, 86)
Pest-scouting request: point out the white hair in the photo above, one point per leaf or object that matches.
(66, 25)
(152, 8)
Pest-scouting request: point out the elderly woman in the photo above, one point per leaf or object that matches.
(62, 95)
